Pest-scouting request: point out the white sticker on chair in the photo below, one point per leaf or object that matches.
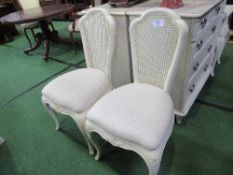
(158, 23)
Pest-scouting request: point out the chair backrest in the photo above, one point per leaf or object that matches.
(158, 42)
(28, 4)
(98, 31)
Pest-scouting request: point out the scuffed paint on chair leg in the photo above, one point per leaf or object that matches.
(53, 115)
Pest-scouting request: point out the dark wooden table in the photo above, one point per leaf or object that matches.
(41, 15)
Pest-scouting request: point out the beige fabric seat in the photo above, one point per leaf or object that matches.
(131, 108)
(77, 90)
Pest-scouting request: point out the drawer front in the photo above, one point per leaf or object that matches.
(206, 33)
(204, 69)
(200, 49)
(200, 57)
(199, 25)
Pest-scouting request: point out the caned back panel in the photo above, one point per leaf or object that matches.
(98, 37)
(154, 40)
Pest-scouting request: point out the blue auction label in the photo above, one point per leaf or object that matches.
(158, 23)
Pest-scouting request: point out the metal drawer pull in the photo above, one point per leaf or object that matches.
(195, 67)
(205, 68)
(217, 9)
(192, 88)
(210, 48)
(199, 44)
(203, 23)
(213, 29)
(223, 20)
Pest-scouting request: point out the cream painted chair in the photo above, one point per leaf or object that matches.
(140, 116)
(75, 92)
(30, 4)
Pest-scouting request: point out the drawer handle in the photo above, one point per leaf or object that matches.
(205, 68)
(192, 88)
(195, 67)
(217, 9)
(210, 48)
(203, 23)
(223, 20)
(213, 29)
(199, 45)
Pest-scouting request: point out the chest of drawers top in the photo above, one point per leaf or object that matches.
(191, 8)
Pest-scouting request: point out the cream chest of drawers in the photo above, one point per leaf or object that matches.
(204, 19)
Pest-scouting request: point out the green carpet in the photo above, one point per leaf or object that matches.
(20, 71)
(59, 51)
(202, 145)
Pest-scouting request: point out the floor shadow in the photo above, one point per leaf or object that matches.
(70, 129)
(7, 165)
(167, 158)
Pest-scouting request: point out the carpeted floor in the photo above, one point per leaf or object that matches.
(202, 145)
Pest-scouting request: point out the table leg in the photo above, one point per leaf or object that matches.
(47, 35)
(39, 40)
(40, 37)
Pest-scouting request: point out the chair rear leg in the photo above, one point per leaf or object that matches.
(51, 24)
(80, 124)
(95, 144)
(33, 34)
(73, 42)
(25, 33)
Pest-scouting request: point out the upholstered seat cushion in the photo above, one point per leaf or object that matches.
(76, 26)
(77, 90)
(29, 25)
(139, 113)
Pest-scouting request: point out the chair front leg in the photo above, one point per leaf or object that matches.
(53, 114)
(80, 123)
(89, 131)
(95, 144)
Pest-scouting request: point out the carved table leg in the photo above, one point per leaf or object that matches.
(39, 39)
(47, 35)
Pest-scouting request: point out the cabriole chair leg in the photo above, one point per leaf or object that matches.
(95, 144)
(53, 115)
(80, 124)
(178, 119)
